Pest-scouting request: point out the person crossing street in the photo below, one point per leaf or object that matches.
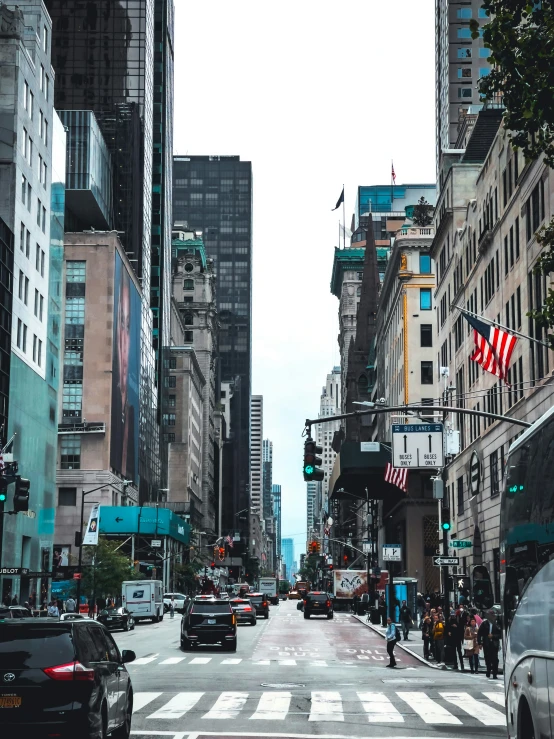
(405, 620)
(392, 636)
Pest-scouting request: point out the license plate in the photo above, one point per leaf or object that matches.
(10, 701)
(316, 605)
(111, 618)
(212, 621)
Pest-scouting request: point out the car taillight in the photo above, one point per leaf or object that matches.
(247, 608)
(70, 671)
(305, 602)
(234, 619)
(328, 604)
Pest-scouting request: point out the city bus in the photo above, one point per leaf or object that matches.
(527, 581)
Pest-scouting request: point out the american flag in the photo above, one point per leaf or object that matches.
(1, 461)
(229, 541)
(393, 174)
(397, 476)
(494, 347)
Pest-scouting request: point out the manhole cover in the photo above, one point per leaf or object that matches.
(283, 685)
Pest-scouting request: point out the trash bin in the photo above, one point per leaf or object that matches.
(360, 609)
(374, 616)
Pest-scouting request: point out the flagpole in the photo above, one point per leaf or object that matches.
(499, 325)
(391, 183)
(343, 220)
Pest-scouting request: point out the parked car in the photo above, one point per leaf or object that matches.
(244, 610)
(117, 618)
(209, 621)
(68, 678)
(260, 601)
(15, 612)
(318, 603)
(74, 617)
(179, 600)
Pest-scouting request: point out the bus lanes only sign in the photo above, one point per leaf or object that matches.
(418, 445)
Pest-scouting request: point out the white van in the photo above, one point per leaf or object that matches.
(144, 599)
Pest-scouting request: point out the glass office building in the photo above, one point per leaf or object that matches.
(103, 56)
(213, 194)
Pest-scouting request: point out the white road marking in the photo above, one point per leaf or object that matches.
(177, 706)
(379, 708)
(319, 663)
(326, 706)
(172, 661)
(200, 661)
(263, 662)
(273, 706)
(429, 711)
(485, 714)
(143, 699)
(145, 660)
(227, 706)
(231, 661)
(496, 697)
(288, 662)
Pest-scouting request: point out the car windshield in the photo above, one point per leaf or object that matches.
(32, 647)
(210, 608)
(319, 597)
(257, 598)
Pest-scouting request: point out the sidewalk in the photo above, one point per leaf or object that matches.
(414, 646)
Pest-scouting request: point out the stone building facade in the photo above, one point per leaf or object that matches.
(485, 248)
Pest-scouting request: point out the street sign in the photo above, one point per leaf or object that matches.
(76, 575)
(461, 543)
(366, 547)
(156, 543)
(417, 445)
(370, 446)
(392, 553)
(445, 561)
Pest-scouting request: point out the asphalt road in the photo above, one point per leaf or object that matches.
(292, 677)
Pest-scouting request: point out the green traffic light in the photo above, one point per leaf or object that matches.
(309, 469)
(446, 525)
(3, 497)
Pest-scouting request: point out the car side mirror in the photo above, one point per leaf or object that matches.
(127, 655)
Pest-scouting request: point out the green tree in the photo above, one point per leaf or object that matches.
(423, 213)
(308, 571)
(520, 36)
(107, 568)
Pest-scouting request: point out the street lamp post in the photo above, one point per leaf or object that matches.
(83, 495)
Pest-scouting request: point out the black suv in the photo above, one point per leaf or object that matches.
(318, 604)
(260, 602)
(63, 679)
(209, 621)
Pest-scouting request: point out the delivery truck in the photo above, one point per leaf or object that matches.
(144, 599)
(350, 583)
(268, 586)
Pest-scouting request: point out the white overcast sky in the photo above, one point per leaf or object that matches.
(314, 94)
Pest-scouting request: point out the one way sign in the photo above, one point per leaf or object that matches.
(444, 561)
(392, 553)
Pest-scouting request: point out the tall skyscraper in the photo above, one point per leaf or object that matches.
(105, 61)
(276, 495)
(312, 497)
(267, 477)
(287, 552)
(256, 463)
(460, 62)
(213, 194)
(330, 405)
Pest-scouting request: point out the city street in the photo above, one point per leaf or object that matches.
(291, 677)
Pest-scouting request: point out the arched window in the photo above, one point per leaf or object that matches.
(188, 318)
(362, 386)
(188, 285)
(358, 291)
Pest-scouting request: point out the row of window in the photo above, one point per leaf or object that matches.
(466, 73)
(467, 52)
(21, 342)
(467, 13)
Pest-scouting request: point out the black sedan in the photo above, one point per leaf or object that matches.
(117, 618)
(244, 611)
(209, 621)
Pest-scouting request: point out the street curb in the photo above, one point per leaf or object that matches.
(406, 649)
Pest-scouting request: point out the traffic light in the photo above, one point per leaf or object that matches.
(331, 568)
(345, 559)
(314, 547)
(21, 495)
(445, 525)
(221, 554)
(445, 520)
(318, 546)
(311, 461)
(2, 496)
(212, 565)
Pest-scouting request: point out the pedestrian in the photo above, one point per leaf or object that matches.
(420, 610)
(383, 610)
(471, 646)
(15, 602)
(488, 637)
(70, 605)
(355, 600)
(454, 638)
(392, 635)
(172, 607)
(476, 616)
(426, 634)
(405, 620)
(438, 639)
(53, 609)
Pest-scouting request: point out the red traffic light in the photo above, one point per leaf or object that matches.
(345, 558)
(330, 567)
(212, 565)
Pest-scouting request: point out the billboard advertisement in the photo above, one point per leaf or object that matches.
(125, 374)
(90, 537)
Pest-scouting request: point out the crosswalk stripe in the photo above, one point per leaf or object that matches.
(496, 697)
(379, 708)
(143, 699)
(227, 706)
(273, 706)
(200, 661)
(430, 712)
(326, 706)
(485, 714)
(318, 663)
(145, 660)
(177, 706)
(172, 661)
(288, 662)
(262, 662)
(231, 661)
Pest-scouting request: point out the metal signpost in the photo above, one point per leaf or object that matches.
(418, 445)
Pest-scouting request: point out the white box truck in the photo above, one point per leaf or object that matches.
(144, 599)
(268, 586)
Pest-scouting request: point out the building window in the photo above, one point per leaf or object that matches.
(483, 13)
(463, 13)
(188, 285)
(427, 401)
(465, 92)
(425, 298)
(425, 264)
(493, 462)
(169, 419)
(188, 319)
(460, 492)
(67, 496)
(427, 373)
(189, 337)
(169, 438)
(426, 330)
(464, 53)
(70, 448)
(173, 363)
(171, 401)
(72, 399)
(484, 71)
(464, 32)
(464, 73)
